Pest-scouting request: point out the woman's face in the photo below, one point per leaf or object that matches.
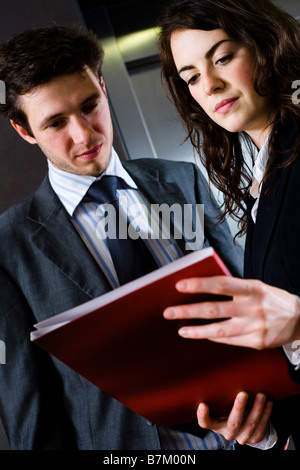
(219, 73)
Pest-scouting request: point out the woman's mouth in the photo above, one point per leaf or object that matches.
(225, 105)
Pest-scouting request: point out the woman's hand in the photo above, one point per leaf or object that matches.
(257, 316)
(244, 426)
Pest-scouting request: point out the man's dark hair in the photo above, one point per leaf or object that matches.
(38, 55)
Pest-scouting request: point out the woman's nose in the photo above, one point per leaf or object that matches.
(212, 83)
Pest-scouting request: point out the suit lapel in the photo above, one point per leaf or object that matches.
(54, 235)
(161, 192)
(273, 192)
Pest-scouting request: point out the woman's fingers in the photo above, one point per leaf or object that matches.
(218, 285)
(242, 425)
(256, 315)
(255, 424)
(262, 428)
(228, 426)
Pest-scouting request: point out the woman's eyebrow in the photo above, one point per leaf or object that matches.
(213, 48)
(208, 55)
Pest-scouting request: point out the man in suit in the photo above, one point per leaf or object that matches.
(51, 258)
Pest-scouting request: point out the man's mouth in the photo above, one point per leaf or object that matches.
(91, 153)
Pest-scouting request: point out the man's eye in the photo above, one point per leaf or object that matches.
(90, 108)
(55, 124)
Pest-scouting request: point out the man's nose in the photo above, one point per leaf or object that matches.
(80, 130)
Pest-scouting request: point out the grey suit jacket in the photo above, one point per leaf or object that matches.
(45, 268)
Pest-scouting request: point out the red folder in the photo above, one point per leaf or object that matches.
(121, 343)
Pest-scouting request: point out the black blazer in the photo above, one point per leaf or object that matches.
(272, 252)
(45, 268)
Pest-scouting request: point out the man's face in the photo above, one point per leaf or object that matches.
(70, 121)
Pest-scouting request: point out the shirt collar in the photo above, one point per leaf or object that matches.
(258, 174)
(71, 188)
(261, 161)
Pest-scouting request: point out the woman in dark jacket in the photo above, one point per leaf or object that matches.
(233, 71)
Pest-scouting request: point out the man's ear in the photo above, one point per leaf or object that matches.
(23, 132)
(103, 86)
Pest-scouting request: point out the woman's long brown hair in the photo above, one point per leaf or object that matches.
(273, 37)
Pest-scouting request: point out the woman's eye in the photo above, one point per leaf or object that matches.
(193, 79)
(225, 59)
